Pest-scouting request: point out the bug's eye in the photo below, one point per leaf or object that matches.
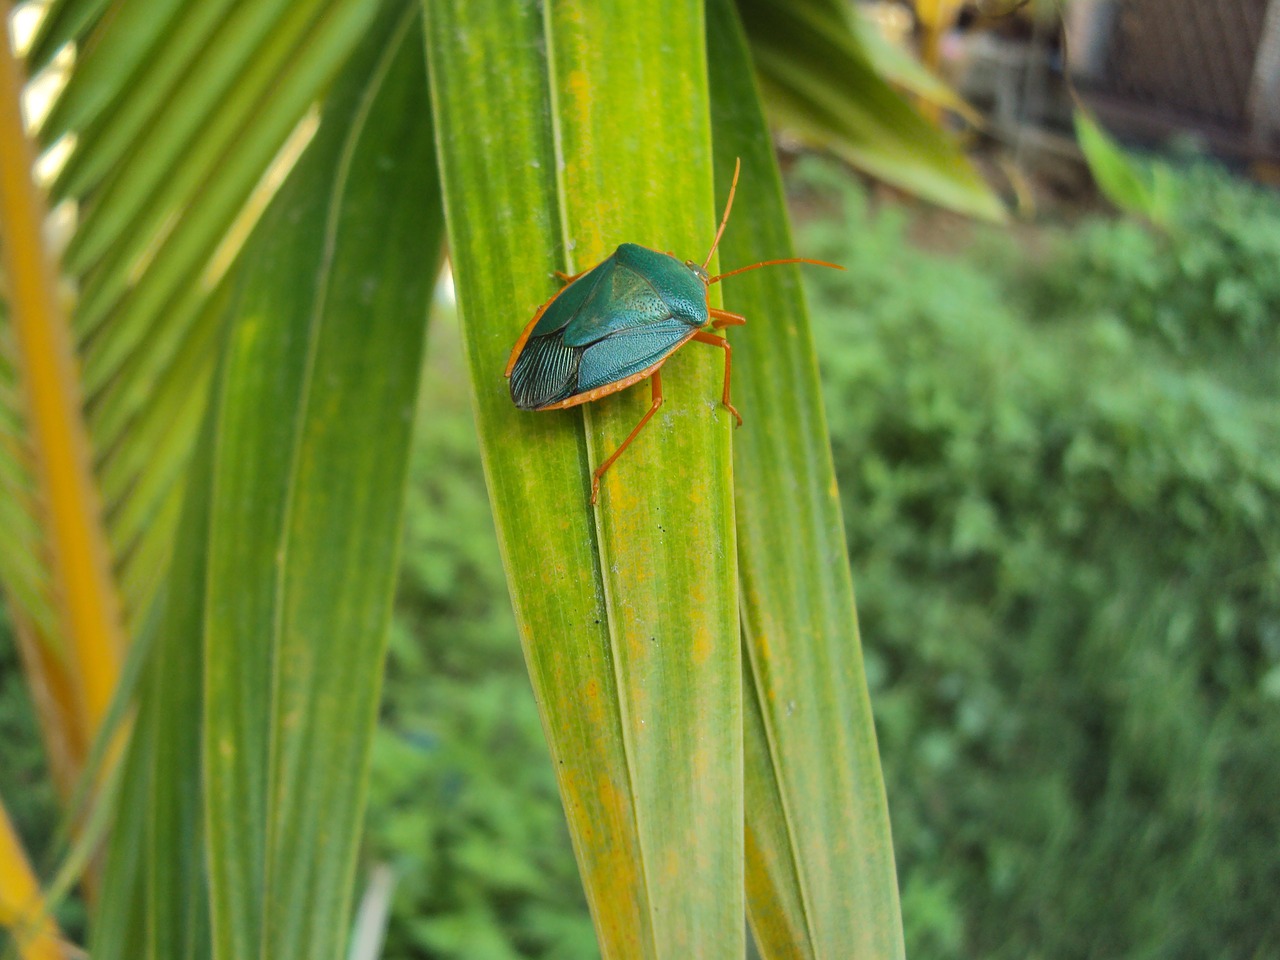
(697, 271)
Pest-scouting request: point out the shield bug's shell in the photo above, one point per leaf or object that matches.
(616, 324)
(607, 329)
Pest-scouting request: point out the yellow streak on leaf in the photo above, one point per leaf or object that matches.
(703, 646)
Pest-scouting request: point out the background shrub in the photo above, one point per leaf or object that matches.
(1060, 483)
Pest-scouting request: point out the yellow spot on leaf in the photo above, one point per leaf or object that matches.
(704, 643)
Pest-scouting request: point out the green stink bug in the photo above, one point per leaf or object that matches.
(617, 324)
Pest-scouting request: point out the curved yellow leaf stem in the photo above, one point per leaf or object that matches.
(87, 600)
(21, 906)
(936, 18)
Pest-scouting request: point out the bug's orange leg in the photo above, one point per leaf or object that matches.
(723, 344)
(723, 318)
(564, 277)
(655, 383)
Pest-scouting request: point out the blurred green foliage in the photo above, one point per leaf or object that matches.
(1061, 479)
(1060, 460)
(25, 782)
(1207, 284)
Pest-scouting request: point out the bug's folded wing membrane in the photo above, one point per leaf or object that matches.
(546, 372)
(627, 352)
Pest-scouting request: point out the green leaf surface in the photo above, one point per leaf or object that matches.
(821, 879)
(107, 112)
(1145, 190)
(254, 729)
(119, 928)
(822, 85)
(595, 131)
(106, 67)
(155, 894)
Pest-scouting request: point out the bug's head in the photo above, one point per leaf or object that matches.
(698, 271)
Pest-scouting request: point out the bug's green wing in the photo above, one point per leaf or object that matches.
(641, 288)
(642, 310)
(619, 355)
(569, 302)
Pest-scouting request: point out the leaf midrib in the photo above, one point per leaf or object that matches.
(597, 547)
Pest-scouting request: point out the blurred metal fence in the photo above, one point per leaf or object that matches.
(1212, 66)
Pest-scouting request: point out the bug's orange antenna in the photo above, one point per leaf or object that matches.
(728, 205)
(774, 263)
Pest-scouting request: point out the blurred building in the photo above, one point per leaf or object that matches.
(1150, 69)
(1210, 67)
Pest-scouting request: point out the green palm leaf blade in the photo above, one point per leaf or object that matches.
(176, 890)
(159, 414)
(821, 877)
(207, 183)
(107, 68)
(65, 21)
(665, 525)
(776, 907)
(140, 104)
(174, 352)
(256, 719)
(204, 115)
(501, 265)
(594, 132)
(823, 86)
(162, 76)
(119, 930)
(312, 433)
